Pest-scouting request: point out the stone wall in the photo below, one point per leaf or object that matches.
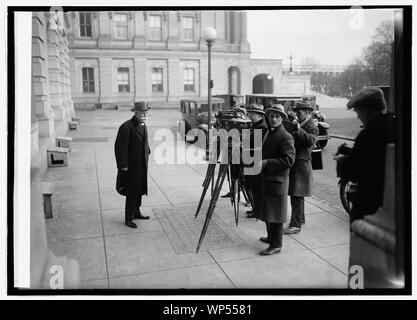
(51, 110)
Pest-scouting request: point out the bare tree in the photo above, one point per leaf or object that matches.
(376, 58)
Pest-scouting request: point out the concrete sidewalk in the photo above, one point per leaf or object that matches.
(88, 225)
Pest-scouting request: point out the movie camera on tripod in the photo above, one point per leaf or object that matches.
(228, 121)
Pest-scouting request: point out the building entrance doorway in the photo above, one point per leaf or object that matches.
(263, 83)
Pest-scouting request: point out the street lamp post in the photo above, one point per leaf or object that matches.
(209, 35)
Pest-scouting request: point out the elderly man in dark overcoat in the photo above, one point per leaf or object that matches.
(271, 193)
(301, 174)
(365, 163)
(256, 115)
(132, 154)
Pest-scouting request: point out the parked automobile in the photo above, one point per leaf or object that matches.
(267, 100)
(194, 113)
(231, 100)
(320, 120)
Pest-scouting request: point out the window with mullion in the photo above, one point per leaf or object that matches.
(188, 28)
(155, 26)
(85, 24)
(188, 79)
(88, 79)
(157, 80)
(123, 79)
(121, 25)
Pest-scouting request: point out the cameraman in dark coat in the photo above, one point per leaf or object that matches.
(256, 114)
(132, 154)
(271, 194)
(365, 163)
(301, 174)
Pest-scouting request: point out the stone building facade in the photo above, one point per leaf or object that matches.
(52, 105)
(118, 57)
(51, 111)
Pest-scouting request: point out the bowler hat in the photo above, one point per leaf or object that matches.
(140, 106)
(303, 106)
(276, 108)
(257, 108)
(368, 98)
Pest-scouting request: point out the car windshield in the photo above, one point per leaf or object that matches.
(214, 107)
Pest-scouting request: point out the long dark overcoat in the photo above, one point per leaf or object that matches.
(271, 185)
(132, 151)
(365, 164)
(263, 129)
(301, 174)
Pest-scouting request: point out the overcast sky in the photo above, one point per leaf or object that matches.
(332, 36)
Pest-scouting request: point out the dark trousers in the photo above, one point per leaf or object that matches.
(132, 206)
(297, 212)
(274, 234)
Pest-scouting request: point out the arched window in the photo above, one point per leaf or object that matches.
(189, 79)
(157, 80)
(88, 79)
(123, 79)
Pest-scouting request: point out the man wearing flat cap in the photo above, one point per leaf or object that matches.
(278, 155)
(256, 115)
(365, 163)
(132, 153)
(301, 174)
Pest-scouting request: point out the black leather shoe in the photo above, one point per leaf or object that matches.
(141, 216)
(264, 239)
(227, 195)
(270, 250)
(250, 214)
(131, 224)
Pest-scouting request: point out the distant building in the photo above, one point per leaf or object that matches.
(328, 69)
(118, 57)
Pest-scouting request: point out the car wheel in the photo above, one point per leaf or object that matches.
(343, 189)
(187, 129)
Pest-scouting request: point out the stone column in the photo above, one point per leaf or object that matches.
(54, 70)
(220, 27)
(244, 44)
(141, 79)
(106, 81)
(104, 35)
(207, 20)
(227, 26)
(139, 36)
(40, 93)
(174, 80)
(174, 22)
(235, 27)
(67, 84)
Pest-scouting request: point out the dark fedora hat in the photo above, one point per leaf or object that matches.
(368, 98)
(140, 106)
(303, 106)
(276, 108)
(257, 108)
